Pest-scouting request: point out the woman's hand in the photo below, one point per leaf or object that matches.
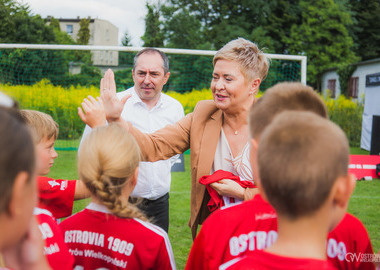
(94, 114)
(112, 105)
(230, 188)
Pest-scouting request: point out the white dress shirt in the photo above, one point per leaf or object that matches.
(154, 177)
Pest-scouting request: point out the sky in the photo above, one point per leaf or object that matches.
(126, 15)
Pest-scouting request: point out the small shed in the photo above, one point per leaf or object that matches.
(357, 82)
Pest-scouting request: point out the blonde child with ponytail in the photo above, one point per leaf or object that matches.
(111, 233)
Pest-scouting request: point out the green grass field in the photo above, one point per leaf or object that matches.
(364, 203)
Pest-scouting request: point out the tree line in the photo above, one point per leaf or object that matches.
(331, 33)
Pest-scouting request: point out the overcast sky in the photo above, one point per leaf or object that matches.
(127, 15)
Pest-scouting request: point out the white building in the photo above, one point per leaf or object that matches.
(357, 82)
(102, 33)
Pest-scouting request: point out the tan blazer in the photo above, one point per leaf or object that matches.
(199, 131)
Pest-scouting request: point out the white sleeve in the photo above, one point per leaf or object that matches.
(86, 131)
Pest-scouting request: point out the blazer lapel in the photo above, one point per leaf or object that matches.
(208, 144)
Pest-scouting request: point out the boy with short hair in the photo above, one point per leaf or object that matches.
(56, 197)
(303, 167)
(242, 233)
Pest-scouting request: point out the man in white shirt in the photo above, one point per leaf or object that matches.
(148, 109)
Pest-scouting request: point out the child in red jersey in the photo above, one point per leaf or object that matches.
(252, 225)
(111, 233)
(55, 195)
(303, 167)
(21, 245)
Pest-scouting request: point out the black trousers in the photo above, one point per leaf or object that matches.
(156, 210)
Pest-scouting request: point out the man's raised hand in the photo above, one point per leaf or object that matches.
(112, 105)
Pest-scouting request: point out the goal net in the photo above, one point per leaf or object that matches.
(55, 78)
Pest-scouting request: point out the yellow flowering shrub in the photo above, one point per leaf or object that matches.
(348, 115)
(59, 102)
(62, 103)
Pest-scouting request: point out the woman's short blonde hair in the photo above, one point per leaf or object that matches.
(107, 161)
(251, 59)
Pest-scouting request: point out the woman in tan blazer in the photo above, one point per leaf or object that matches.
(216, 131)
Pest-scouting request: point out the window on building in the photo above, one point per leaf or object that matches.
(353, 87)
(331, 86)
(69, 29)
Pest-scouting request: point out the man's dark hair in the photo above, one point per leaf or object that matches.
(151, 51)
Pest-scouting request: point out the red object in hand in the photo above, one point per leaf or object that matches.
(216, 200)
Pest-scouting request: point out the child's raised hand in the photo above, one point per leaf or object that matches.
(112, 105)
(94, 114)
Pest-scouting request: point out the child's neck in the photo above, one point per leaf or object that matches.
(301, 238)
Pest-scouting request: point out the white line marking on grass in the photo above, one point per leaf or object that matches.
(365, 197)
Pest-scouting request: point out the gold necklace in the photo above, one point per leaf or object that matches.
(236, 132)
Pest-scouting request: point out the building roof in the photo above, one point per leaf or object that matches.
(361, 63)
(77, 20)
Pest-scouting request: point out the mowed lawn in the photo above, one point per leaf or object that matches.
(364, 203)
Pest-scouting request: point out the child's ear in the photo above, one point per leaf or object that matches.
(261, 191)
(15, 206)
(344, 186)
(133, 180)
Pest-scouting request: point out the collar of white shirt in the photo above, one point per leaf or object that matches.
(136, 99)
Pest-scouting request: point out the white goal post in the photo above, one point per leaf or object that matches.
(302, 59)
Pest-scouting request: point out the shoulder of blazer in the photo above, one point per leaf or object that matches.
(205, 109)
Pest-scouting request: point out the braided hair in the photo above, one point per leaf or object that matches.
(107, 160)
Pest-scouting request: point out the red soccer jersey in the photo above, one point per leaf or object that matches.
(56, 195)
(99, 239)
(233, 231)
(262, 260)
(55, 249)
(236, 230)
(348, 245)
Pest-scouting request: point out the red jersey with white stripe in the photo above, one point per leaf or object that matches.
(99, 239)
(262, 260)
(232, 232)
(55, 249)
(349, 246)
(56, 195)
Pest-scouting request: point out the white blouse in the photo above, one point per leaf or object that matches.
(239, 165)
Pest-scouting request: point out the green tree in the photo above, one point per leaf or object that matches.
(125, 58)
(366, 30)
(218, 21)
(323, 37)
(126, 41)
(84, 32)
(54, 23)
(282, 15)
(61, 37)
(182, 30)
(153, 36)
(18, 25)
